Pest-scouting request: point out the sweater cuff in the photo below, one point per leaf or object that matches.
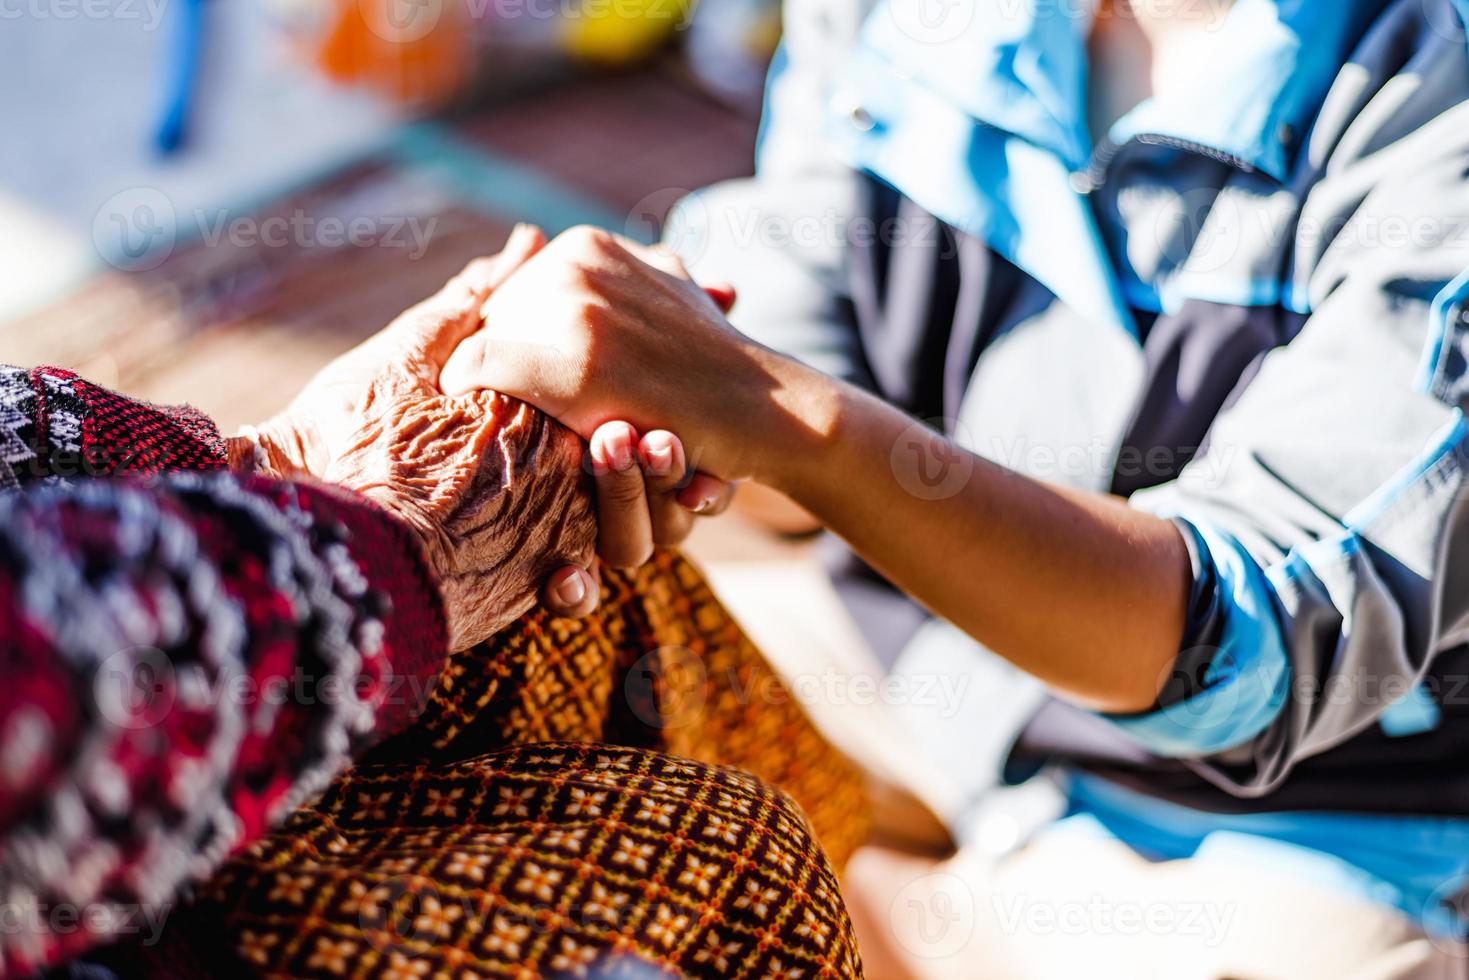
(88, 430)
(405, 663)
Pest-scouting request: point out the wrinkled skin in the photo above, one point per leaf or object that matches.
(493, 485)
(493, 488)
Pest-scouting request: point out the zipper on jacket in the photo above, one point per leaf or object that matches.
(1094, 174)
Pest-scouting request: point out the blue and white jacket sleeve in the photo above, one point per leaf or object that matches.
(1327, 518)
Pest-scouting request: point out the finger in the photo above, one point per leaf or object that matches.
(664, 463)
(571, 591)
(435, 327)
(707, 496)
(723, 294)
(625, 529)
(664, 467)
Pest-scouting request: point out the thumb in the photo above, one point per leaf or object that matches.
(533, 373)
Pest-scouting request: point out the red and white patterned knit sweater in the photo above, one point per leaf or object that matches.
(184, 656)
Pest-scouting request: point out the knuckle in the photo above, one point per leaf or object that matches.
(629, 554)
(633, 556)
(599, 316)
(478, 271)
(664, 484)
(670, 534)
(622, 489)
(587, 240)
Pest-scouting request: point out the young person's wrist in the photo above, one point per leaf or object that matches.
(794, 425)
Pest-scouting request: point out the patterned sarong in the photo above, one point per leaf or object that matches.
(629, 795)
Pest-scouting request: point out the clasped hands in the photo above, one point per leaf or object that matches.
(412, 420)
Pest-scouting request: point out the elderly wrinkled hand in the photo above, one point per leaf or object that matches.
(493, 488)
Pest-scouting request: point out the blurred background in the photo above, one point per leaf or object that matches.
(204, 200)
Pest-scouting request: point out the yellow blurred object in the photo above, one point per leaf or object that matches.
(614, 33)
(415, 51)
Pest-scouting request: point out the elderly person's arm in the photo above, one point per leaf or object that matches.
(187, 657)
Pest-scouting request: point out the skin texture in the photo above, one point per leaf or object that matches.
(1077, 588)
(494, 489)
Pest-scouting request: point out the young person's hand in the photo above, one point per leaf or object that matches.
(595, 329)
(648, 495)
(493, 488)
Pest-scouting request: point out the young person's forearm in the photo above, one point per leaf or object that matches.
(1077, 588)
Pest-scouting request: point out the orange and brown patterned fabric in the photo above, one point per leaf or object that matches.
(236, 687)
(635, 794)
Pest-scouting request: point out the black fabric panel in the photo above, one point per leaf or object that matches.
(926, 300)
(1197, 362)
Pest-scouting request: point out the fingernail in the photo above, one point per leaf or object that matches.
(572, 590)
(660, 459)
(620, 451)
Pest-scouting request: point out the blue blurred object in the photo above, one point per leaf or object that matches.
(182, 75)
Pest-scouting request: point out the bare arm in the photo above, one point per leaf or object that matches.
(1076, 588)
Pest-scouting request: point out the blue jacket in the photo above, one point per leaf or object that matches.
(1305, 197)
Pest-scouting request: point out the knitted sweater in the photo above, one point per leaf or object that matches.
(187, 656)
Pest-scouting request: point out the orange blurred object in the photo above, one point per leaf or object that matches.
(416, 52)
